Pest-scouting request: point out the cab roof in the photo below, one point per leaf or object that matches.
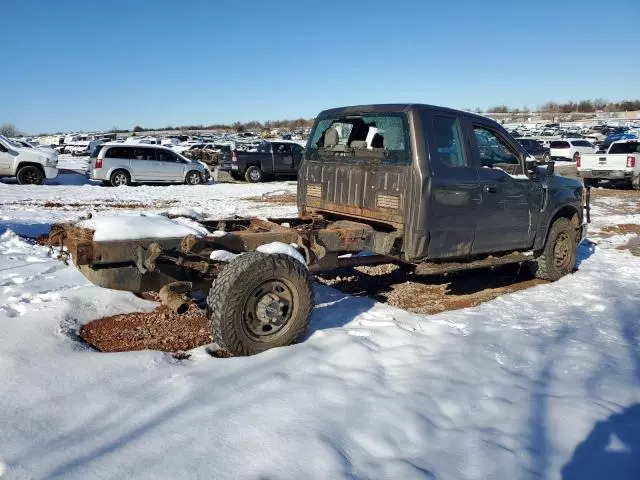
(392, 108)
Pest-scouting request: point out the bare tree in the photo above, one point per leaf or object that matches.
(9, 130)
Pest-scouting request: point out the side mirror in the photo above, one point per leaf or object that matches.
(551, 167)
(531, 166)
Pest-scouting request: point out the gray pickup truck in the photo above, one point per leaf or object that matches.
(436, 189)
(272, 159)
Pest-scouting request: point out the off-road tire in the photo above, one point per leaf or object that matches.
(193, 178)
(30, 175)
(234, 293)
(253, 175)
(558, 256)
(115, 181)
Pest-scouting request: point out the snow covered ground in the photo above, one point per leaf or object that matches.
(543, 383)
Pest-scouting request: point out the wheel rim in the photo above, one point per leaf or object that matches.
(255, 175)
(562, 251)
(120, 179)
(194, 179)
(30, 176)
(268, 309)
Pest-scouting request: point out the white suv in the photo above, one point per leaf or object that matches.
(120, 164)
(29, 165)
(570, 148)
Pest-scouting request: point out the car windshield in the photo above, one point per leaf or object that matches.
(383, 136)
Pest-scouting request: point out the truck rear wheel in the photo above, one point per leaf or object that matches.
(29, 175)
(558, 256)
(253, 175)
(259, 301)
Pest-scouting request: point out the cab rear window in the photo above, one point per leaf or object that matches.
(627, 147)
(358, 137)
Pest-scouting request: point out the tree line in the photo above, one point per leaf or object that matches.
(253, 125)
(583, 106)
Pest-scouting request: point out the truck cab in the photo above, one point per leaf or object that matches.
(444, 184)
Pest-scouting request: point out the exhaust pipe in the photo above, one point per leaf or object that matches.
(172, 295)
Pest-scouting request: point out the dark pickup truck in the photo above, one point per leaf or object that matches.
(436, 189)
(272, 159)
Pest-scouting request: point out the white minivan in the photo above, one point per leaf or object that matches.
(119, 164)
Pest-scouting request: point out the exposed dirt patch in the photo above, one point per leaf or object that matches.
(160, 329)
(614, 191)
(98, 205)
(399, 287)
(622, 229)
(280, 199)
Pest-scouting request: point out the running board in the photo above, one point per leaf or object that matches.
(438, 268)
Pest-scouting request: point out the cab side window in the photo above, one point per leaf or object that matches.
(282, 149)
(493, 150)
(3, 148)
(448, 150)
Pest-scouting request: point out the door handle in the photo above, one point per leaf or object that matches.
(490, 189)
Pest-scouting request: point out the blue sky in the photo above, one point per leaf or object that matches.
(84, 65)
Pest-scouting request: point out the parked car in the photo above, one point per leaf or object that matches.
(281, 158)
(535, 148)
(84, 148)
(614, 137)
(119, 164)
(621, 162)
(25, 144)
(570, 148)
(28, 165)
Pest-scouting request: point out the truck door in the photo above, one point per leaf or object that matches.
(455, 191)
(283, 158)
(506, 217)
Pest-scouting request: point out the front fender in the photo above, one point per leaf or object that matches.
(562, 203)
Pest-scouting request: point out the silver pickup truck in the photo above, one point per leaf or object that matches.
(620, 162)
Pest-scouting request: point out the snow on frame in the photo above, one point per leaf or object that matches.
(132, 227)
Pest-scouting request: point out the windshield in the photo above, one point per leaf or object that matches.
(382, 136)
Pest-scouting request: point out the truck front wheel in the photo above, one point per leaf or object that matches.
(259, 301)
(29, 175)
(558, 257)
(253, 175)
